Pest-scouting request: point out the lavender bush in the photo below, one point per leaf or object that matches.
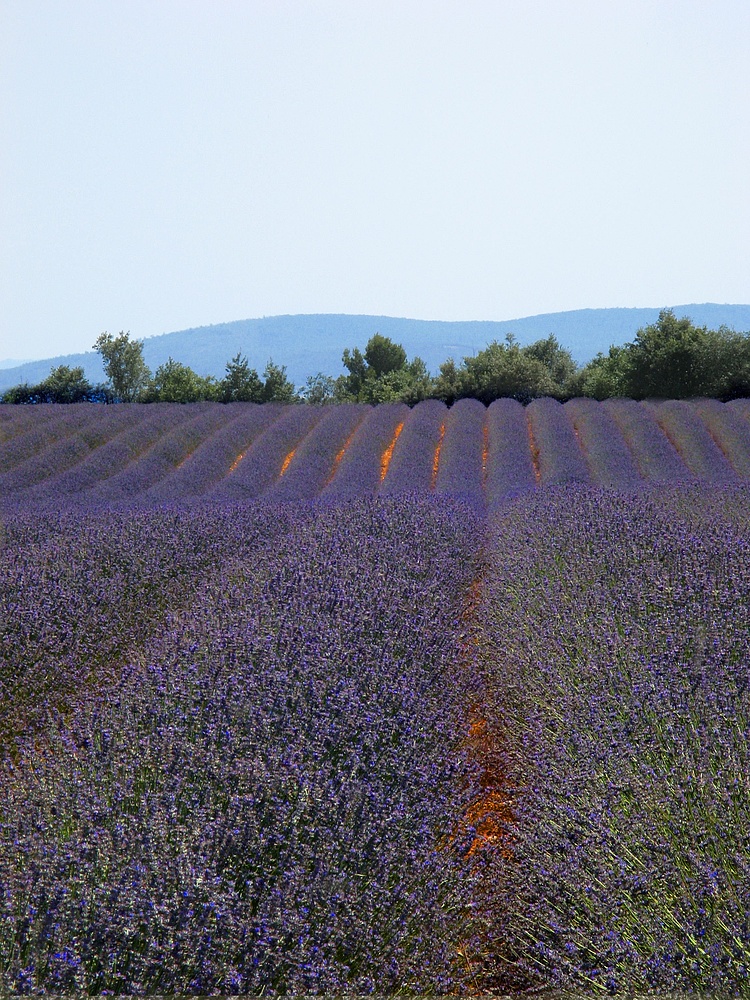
(264, 461)
(608, 456)
(359, 470)
(318, 454)
(509, 462)
(657, 459)
(179, 438)
(214, 458)
(462, 467)
(411, 467)
(616, 649)
(560, 458)
(690, 437)
(729, 431)
(255, 803)
(140, 429)
(44, 426)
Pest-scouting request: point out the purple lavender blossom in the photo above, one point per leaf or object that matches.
(213, 458)
(729, 431)
(359, 471)
(173, 446)
(411, 467)
(461, 468)
(740, 406)
(691, 439)
(657, 458)
(607, 454)
(255, 802)
(264, 462)
(560, 458)
(317, 456)
(509, 465)
(622, 692)
(55, 445)
(136, 428)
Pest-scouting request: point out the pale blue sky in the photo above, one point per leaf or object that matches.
(170, 164)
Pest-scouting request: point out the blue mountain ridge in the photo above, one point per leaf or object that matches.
(307, 344)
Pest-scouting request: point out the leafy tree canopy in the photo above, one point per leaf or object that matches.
(382, 374)
(177, 383)
(124, 365)
(241, 383)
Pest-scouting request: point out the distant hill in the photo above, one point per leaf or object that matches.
(307, 344)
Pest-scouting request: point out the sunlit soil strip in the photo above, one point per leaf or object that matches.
(342, 451)
(385, 461)
(485, 452)
(184, 459)
(489, 815)
(490, 811)
(237, 461)
(287, 460)
(534, 452)
(436, 459)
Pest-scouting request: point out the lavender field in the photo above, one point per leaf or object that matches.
(375, 699)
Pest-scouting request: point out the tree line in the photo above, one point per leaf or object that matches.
(670, 359)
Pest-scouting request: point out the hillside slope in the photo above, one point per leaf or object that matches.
(311, 343)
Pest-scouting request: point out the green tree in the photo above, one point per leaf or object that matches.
(349, 387)
(124, 365)
(666, 359)
(725, 359)
(241, 383)
(500, 370)
(65, 385)
(556, 359)
(62, 385)
(382, 375)
(319, 389)
(177, 383)
(19, 394)
(448, 385)
(276, 386)
(603, 377)
(383, 356)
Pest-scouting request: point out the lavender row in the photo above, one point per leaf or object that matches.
(559, 455)
(510, 469)
(741, 407)
(263, 463)
(462, 462)
(173, 446)
(256, 808)
(17, 420)
(656, 457)
(360, 470)
(140, 429)
(173, 452)
(97, 428)
(316, 459)
(683, 426)
(213, 459)
(411, 467)
(623, 698)
(730, 432)
(44, 433)
(608, 456)
(79, 591)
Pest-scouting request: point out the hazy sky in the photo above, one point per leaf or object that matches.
(169, 164)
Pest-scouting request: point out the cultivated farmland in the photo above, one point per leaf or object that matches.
(375, 699)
